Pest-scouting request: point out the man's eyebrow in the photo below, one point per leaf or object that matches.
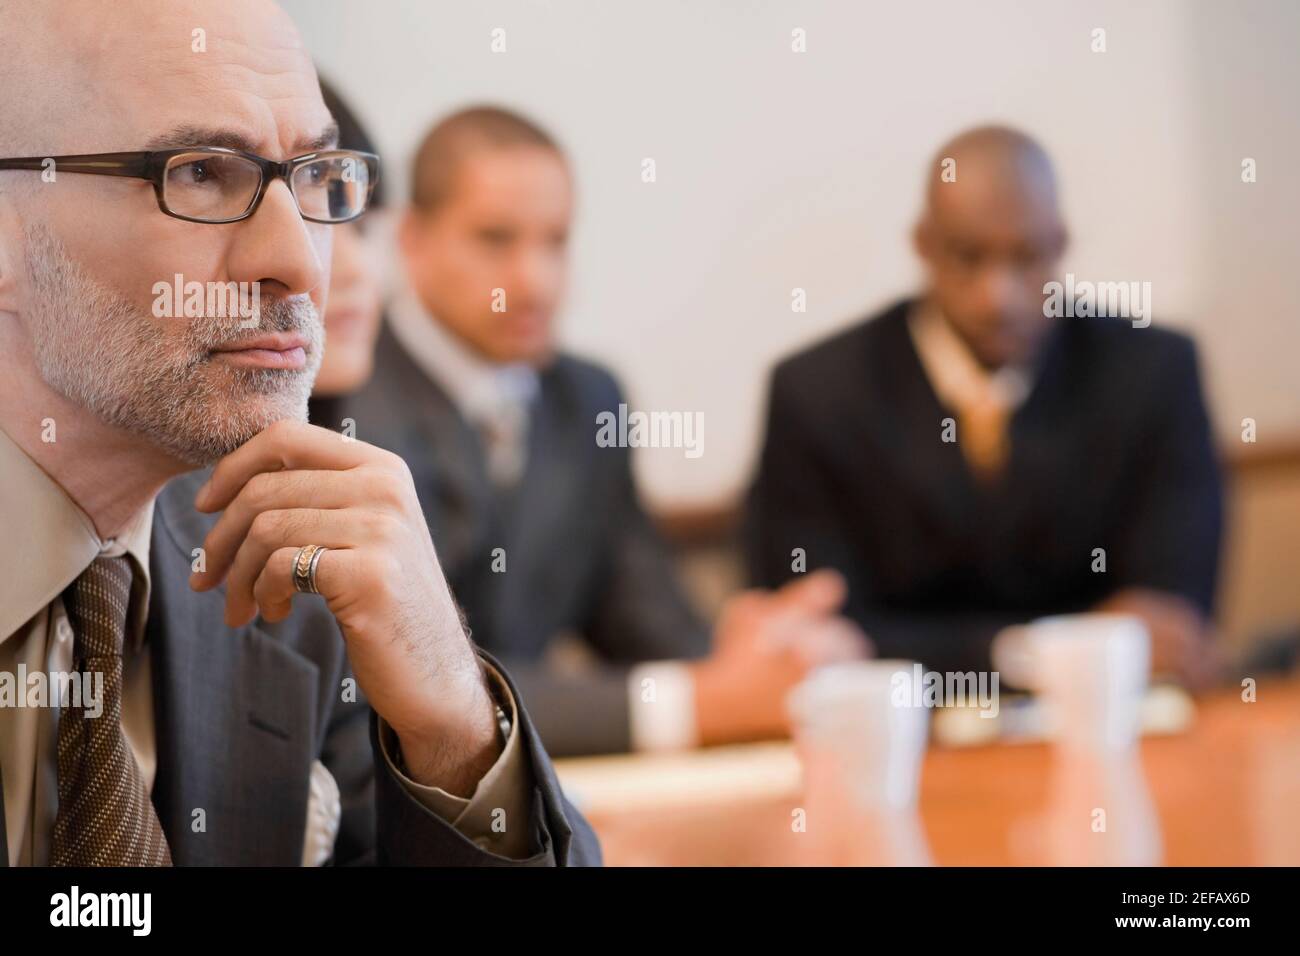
(328, 139)
(180, 137)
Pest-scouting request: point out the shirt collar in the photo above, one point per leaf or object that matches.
(55, 541)
(475, 385)
(956, 376)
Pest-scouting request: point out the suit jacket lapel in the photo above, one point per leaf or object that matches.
(1045, 449)
(234, 752)
(555, 453)
(441, 449)
(906, 419)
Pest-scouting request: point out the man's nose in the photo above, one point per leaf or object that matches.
(276, 245)
(1002, 290)
(534, 274)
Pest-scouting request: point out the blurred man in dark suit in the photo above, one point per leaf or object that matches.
(969, 462)
(539, 528)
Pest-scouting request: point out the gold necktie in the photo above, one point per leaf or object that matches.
(983, 437)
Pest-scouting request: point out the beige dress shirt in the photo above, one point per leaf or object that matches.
(50, 542)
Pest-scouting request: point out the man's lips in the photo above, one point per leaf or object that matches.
(286, 350)
(528, 322)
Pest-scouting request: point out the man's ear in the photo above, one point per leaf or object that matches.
(923, 239)
(409, 229)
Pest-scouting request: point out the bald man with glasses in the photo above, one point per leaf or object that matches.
(280, 674)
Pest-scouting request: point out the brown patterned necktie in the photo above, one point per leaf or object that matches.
(105, 815)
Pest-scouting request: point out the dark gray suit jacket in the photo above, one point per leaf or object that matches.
(581, 556)
(1112, 449)
(241, 715)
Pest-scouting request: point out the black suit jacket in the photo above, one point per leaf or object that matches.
(1112, 450)
(241, 715)
(581, 557)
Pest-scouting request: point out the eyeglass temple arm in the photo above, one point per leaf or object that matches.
(135, 165)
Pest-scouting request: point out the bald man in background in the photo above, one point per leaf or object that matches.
(965, 460)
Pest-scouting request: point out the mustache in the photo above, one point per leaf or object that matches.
(293, 314)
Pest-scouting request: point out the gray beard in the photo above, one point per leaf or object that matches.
(155, 377)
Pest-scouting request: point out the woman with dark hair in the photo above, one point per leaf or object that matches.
(354, 309)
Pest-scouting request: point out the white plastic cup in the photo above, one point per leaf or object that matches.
(857, 733)
(1090, 670)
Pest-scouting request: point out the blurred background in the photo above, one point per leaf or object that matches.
(778, 170)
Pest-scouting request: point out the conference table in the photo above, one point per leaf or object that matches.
(1223, 791)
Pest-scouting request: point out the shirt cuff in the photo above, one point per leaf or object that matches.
(661, 706)
(496, 816)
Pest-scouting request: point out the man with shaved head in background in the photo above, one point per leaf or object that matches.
(141, 144)
(1071, 435)
(540, 524)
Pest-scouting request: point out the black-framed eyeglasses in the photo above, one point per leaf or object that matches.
(212, 184)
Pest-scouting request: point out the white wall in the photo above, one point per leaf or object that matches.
(778, 169)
